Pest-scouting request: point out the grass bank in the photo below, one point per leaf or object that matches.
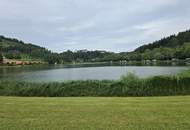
(92, 113)
(129, 85)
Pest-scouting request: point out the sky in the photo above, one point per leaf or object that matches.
(111, 25)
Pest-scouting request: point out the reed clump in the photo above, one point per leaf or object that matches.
(128, 85)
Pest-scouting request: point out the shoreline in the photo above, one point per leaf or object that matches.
(139, 63)
(128, 86)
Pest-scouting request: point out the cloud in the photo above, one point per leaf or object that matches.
(113, 25)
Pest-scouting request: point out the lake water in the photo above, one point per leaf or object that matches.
(48, 73)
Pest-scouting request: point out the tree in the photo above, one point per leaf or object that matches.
(1, 58)
(147, 55)
(173, 42)
(158, 54)
(13, 55)
(183, 52)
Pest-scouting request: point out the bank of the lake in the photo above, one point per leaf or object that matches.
(129, 85)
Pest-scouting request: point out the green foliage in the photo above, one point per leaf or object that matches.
(175, 46)
(87, 56)
(1, 58)
(129, 85)
(185, 73)
(172, 41)
(15, 49)
(13, 54)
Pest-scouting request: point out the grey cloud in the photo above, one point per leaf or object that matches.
(113, 25)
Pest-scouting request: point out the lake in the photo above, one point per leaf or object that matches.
(48, 73)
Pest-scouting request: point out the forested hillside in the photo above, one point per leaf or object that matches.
(172, 41)
(16, 49)
(174, 46)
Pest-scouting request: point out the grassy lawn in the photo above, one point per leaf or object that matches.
(91, 113)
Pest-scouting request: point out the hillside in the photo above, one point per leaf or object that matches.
(12, 48)
(172, 47)
(172, 41)
(15, 49)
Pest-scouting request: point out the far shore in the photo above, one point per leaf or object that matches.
(121, 62)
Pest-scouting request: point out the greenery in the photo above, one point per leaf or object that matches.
(1, 58)
(15, 49)
(129, 85)
(172, 47)
(164, 53)
(172, 41)
(142, 113)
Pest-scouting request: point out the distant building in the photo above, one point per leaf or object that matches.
(174, 59)
(154, 60)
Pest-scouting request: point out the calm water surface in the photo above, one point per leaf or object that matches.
(82, 72)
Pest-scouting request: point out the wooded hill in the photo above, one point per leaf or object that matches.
(172, 41)
(15, 49)
(174, 46)
(12, 48)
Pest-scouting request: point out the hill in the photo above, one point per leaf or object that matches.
(12, 48)
(172, 41)
(172, 47)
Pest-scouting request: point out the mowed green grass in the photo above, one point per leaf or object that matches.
(95, 113)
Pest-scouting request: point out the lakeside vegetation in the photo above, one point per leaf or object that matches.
(92, 113)
(174, 47)
(129, 85)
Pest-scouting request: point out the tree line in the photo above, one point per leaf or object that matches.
(172, 47)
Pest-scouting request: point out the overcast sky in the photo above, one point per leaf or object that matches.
(112, 25)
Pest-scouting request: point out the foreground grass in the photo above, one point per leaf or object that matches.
(92, 113)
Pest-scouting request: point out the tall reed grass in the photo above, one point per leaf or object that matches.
(129, 85)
